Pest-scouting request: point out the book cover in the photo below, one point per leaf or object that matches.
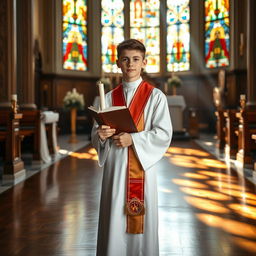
(116, 117)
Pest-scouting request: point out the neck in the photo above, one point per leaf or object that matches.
(137, 81)
(129, 80)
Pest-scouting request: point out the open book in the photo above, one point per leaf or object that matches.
(118, 117)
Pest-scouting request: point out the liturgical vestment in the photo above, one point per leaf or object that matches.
(150, 146)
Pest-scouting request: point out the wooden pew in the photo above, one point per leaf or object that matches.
(220, 126)
(33, 124)
(231, 139)
(246, 145)
(9, 134)
(254, 138)
(30, 126)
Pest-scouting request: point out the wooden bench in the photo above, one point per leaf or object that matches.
(220, 126)
(254, 138)
(9, 135)
(246, 145)
(231, 132)
(30, 127)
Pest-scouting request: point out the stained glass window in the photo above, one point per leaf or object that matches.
(217, 29)
(74, 33)
(178, 35)
(112, 21)
(144, 26)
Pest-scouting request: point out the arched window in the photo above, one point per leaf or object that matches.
(178, 35)
(217, 37)
(74, 34)
(112, 21)
(145, 26)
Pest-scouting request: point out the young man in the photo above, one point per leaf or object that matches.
(128, 221)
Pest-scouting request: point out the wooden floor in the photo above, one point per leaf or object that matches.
(204, 208)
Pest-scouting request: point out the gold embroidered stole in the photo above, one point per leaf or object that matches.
(134, 208)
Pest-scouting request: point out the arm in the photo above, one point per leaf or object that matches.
(100, 139)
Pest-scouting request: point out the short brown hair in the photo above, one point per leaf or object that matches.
(131, 44)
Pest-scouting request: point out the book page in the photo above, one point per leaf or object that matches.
(113, 108)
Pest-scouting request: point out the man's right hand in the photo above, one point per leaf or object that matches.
(105, 132)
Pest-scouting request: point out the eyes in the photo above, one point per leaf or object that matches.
(126, 59)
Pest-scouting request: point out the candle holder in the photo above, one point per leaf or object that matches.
(242, 101)
(14, 103)
(14, 106)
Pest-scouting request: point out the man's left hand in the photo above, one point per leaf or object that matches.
(122, 140)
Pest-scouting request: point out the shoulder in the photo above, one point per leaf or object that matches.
(155, 91)
(157, 100)
(158, 95)
(158, 92)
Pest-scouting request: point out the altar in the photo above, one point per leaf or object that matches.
(176, 104)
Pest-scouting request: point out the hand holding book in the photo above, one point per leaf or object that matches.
(116, 117)
(123, 140)
(105, 132)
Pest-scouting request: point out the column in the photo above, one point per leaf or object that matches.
(25, 55)
(251, 54)
(7, 51)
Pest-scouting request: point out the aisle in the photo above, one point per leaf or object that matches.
(204, 208)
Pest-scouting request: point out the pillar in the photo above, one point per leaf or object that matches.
(25, 55)
(7, 51)
(251, 54)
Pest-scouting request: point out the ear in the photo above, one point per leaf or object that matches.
(144, 62)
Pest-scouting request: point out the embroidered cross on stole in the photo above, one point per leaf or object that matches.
(135, 208)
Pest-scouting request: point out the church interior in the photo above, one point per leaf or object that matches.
(200, 54)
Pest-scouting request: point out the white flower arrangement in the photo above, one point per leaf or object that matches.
(73, 100)
(174, 81)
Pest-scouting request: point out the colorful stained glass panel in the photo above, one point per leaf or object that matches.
(178, 35)
(144, 26)
(74, 34)
(217, 33)
(112, 21)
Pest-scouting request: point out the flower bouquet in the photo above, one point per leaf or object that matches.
(73, 100)
(173, 83)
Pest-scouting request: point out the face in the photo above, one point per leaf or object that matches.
(131, 63)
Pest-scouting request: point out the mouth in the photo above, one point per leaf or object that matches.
(130, 70)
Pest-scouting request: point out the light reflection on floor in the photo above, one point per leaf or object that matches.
(214, 193)
(92, 154)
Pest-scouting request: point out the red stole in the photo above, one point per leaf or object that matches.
(135, 209)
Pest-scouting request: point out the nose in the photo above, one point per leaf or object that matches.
(129, 63)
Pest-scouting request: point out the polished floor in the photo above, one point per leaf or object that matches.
(205, 208)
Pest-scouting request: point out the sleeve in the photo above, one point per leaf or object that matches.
(102, 147)
(151, 145)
